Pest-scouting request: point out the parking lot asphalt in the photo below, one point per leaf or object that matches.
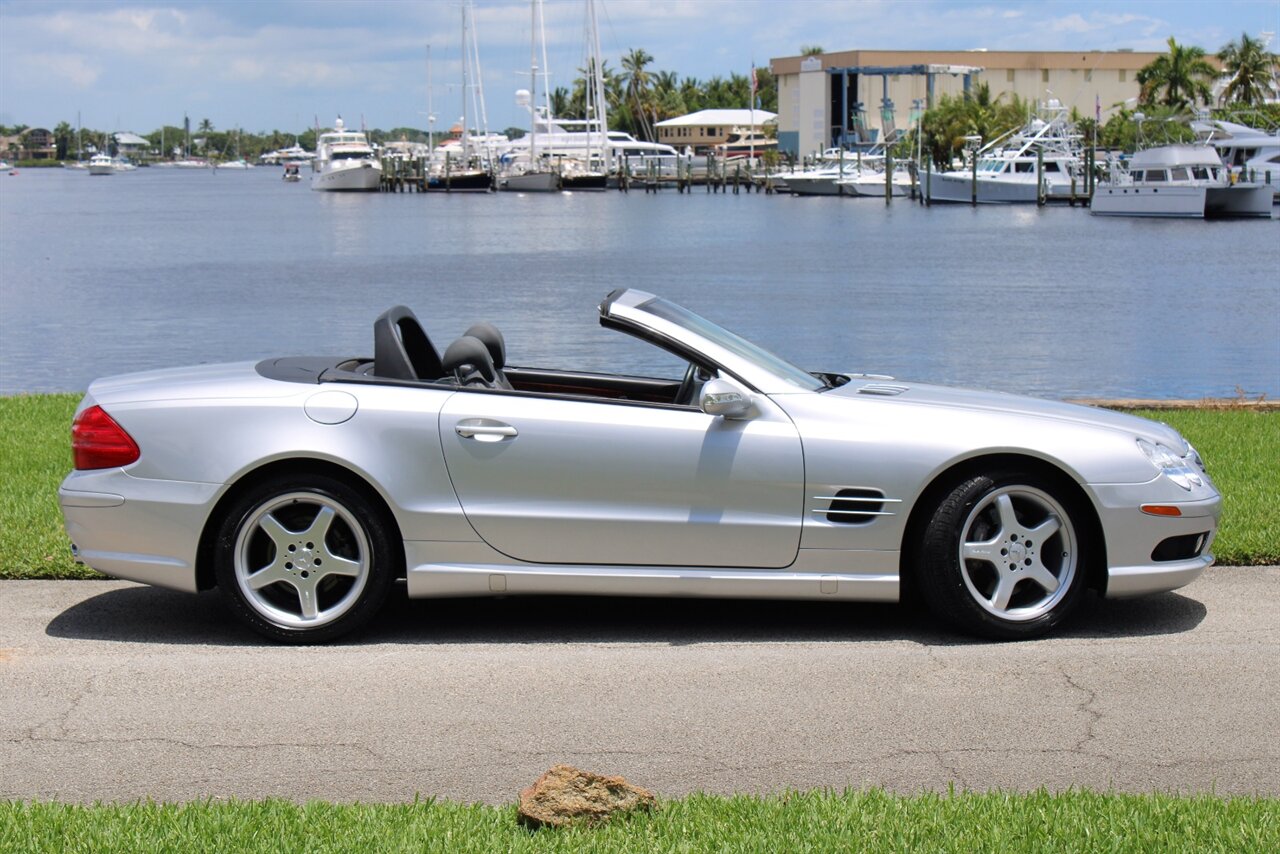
(114, 691)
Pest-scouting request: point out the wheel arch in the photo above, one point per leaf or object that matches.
(949, 478)
(205, 575)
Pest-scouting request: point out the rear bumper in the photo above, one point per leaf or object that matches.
(136, 529)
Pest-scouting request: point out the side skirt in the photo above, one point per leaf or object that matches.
(814, 575)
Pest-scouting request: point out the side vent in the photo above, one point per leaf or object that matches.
(883, 389)
(855, 506)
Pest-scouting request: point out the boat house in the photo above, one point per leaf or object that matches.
(859, 96)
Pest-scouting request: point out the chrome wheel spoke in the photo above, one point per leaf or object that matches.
(1041, 575)
(334, 565)
(1004, 591)
(1046, 529)
(269, 575)
(307, 598)
(986, 551)
(279, 534)
(319, 528)
(1008, 519)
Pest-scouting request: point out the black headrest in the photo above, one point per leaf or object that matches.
(490, 337)
(469, 356)
(401, 348)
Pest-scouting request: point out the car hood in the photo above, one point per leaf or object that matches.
(924, 394)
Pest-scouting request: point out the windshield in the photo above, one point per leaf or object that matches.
(735, 344)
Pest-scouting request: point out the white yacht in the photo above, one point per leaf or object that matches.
(1251, 154)
(745, 142)
(870, 182)
(293, 155)
(344, 161)
(102, 164)
(1179, 181)
(822, 181)
(1007, 166)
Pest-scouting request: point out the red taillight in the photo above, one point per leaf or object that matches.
(98, 442)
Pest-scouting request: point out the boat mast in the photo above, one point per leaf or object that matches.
(431, 116)
(466, 91)
(533, 82)
(596, 91)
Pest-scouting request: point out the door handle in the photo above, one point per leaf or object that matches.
(484, 430)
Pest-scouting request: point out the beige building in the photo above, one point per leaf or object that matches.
(815, 91)
(707, 128)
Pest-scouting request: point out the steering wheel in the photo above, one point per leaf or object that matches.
(694, 379)
(684, 396)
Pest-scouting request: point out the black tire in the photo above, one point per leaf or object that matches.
(304, 558)
(1003, 556)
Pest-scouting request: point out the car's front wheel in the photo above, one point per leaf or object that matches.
(303, 559)
(1002, 556)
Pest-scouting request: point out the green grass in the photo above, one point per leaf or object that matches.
(35, 454)
(1076, 821)
(1242, 451)
(1240, 447)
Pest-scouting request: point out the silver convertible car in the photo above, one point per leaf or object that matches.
(305, 488)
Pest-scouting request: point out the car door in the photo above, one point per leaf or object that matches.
(570, 480)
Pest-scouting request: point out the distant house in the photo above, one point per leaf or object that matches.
(705, 129)
(131, 145)
(37, 144)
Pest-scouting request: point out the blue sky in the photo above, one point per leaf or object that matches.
(280, 65)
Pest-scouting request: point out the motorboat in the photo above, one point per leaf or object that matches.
(291, 175)
(823, 181)
(744, 142)
(238, 164)
(870, 182)
(294, 154)
(345, 161)
(102, 164)
(1179, 181)
(1039, 159)
(1253, 155)
(123, 164)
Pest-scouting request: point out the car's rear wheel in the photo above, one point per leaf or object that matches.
(303, 559)
(1003, 556)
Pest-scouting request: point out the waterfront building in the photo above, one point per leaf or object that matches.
(880, 91)
(131, 145)
(705, 129)
(30, 144)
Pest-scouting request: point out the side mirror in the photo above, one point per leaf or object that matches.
(725, 399)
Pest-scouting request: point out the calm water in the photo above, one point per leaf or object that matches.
(165, 267)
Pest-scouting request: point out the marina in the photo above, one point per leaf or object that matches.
(165, 267)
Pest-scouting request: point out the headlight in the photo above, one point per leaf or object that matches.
(1172, 466)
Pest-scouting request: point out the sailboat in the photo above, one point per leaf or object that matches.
(453, 165)
(532, 174)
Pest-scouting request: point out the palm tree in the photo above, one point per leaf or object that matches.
(811, 50)
(1182, 75)
(633, 63)
(62, 138)
(206, 126)
(1252, 70)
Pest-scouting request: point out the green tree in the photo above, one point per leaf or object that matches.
(1251, 69)
(62, 139)
(205, 126)
(1179, 78)
(811, 50)
(637, 89)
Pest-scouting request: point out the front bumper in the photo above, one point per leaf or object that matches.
(134, 528)
(1135, 563)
